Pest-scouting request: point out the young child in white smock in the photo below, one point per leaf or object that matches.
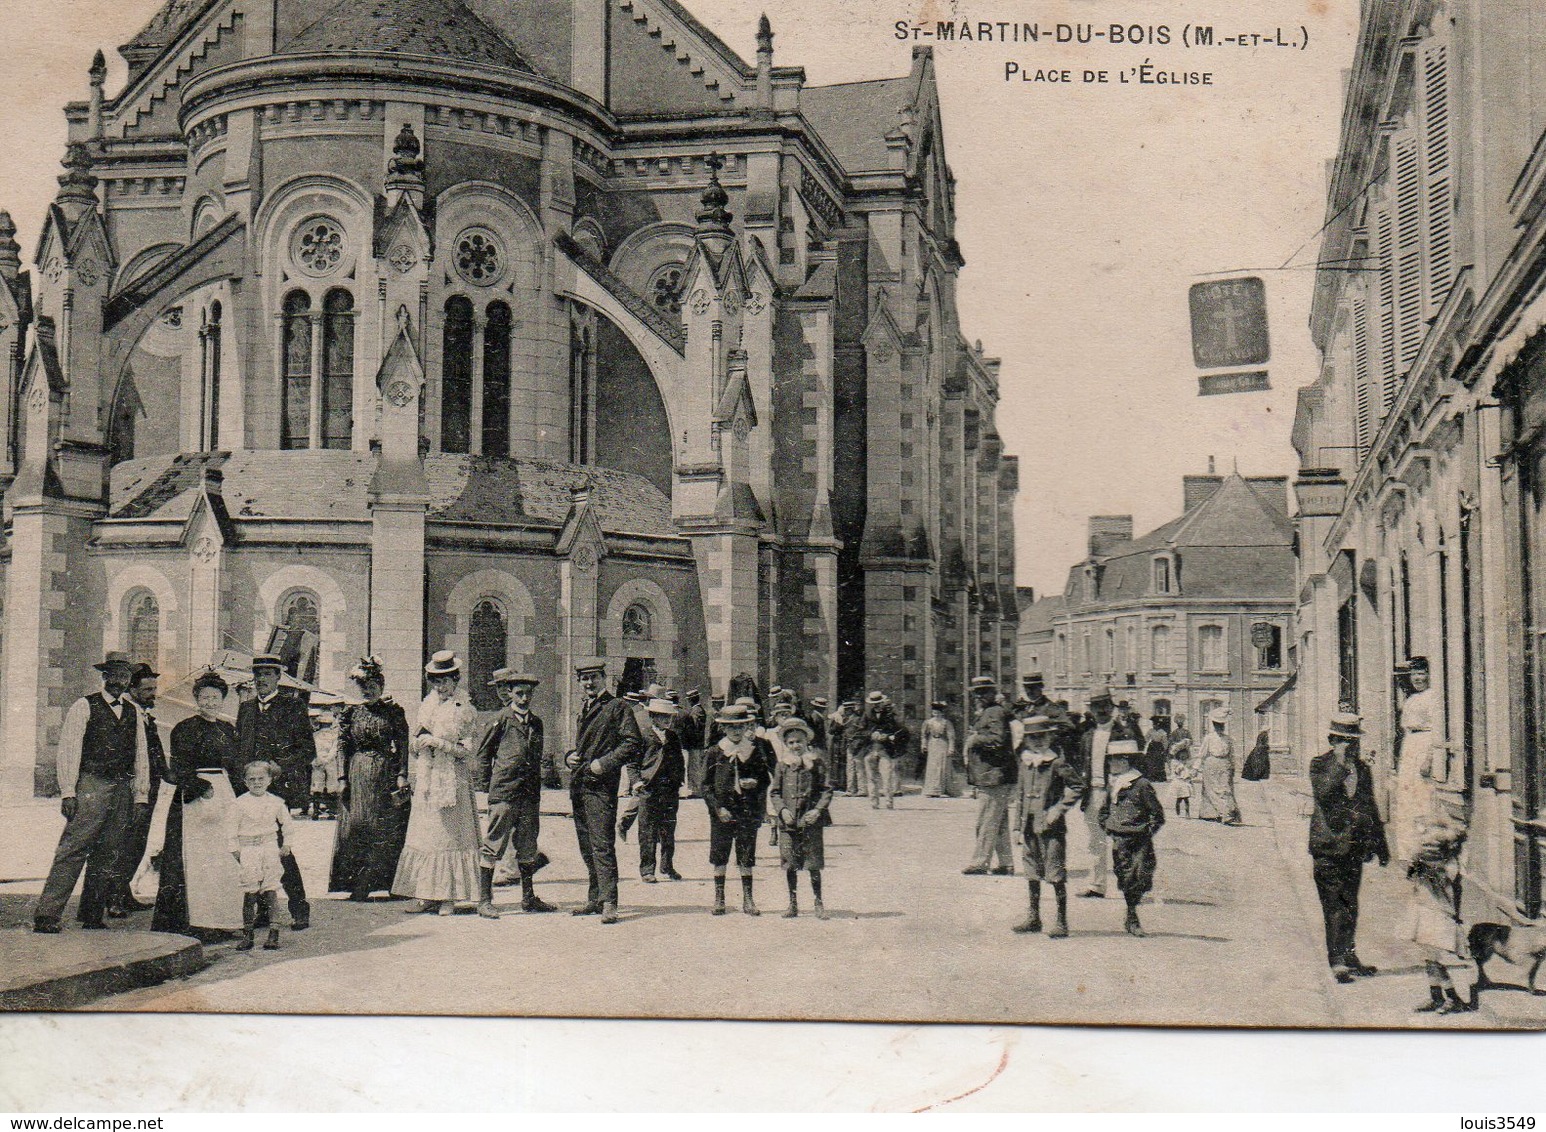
(257, 820)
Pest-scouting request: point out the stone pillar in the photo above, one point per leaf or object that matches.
(397, 596)
(727, 579)
(36, 590)
(578, 575)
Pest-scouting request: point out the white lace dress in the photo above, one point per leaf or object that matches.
(440, 857)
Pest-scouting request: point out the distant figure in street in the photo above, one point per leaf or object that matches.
(1156, 749)
(885, 739)
(1345, 832)
(848, 762)
(1215, 768)
(1179, 750)
(659, 789)
(800, 799)
(692, 728)
(1131, 815)
(735, 786)
(607, 739)
(512, 766)
(104, 773)
(992, 769)
(439, 863)
(1049, 788)
(275, 727)
(1421, 766)
(939, 745)
(373, 746)
(258, 826)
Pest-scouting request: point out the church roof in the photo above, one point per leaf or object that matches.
(168, 22)
(854, 118)
(443, 29)
(334, 485)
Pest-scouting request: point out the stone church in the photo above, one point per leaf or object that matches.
(534, 329)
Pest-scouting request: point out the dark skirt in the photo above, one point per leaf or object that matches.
(371, 830)
(171, 914)
(1132, 859)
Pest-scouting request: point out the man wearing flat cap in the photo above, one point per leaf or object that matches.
(103, 765)
(276, 727)
(606, 740)
(1345, 833)
(512, 763)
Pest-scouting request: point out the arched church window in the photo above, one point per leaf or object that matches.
(318, 246)
(144, 628)
(637, 623)
(209, 337)
(496, 381)
(297, 634)
(456, 377)
(582, 387)
(337, 413)
(295, 423)
(126, 410)
(488, 638)
(665, 288)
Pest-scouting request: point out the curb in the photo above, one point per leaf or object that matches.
(170, 957)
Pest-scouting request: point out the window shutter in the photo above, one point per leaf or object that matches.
(1384, 364)
(1438, 174)
(1409, 254)
(1362, 421)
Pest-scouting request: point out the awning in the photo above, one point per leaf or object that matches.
(1278, 693)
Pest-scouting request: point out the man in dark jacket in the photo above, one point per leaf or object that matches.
(276, 727)
(606, 740)
(1091, 765)
(512, 765)
(659, 786)
(1345, 832)
(120, 902)
(992, 767)
(883, 740)
(692, 729)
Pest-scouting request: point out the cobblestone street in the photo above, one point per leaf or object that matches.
(1234, 939)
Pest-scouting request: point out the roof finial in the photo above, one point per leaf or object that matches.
(714, 217)
(10, 250)
(764, 35)
(405, 170)
(77, 182)
(1210, 465)
(98, 70)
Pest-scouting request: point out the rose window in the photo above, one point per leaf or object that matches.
(478, 257)
(319, 246)
(666, 288)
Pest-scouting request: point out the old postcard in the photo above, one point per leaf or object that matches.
(900, 512)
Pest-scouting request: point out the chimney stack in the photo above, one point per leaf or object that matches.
(1107, 531)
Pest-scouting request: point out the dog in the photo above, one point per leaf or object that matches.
(1519, 946)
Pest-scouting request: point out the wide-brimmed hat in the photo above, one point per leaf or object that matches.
(142, 672)
(734, 714)
(819, 701)
(1127, 748)
(1345, 725)
(655, 692)
(984, 684)
(443, 663)
(1039, 723)
(1099, 694)
(875, 698)
(660, 706)
(693, 695)
(1218, 715)
(265, 660)
(510, 676)
(637, 696)
(795, 723)
(114, 660)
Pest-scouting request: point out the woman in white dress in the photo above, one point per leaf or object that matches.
(939, 740)
(1215, 769)
(439, 862)
(1421, 766)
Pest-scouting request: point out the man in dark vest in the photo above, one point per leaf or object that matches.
(692, 728)
(1345, 833)
(142, 690)
(276, 727)
(993, 768)
(104, 777)
(512, 765)
(606, 740)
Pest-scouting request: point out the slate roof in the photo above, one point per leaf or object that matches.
(168, 22)
(854, 118)
(322, 485)
(1038, 617)
(1238, 543)
(441, 29)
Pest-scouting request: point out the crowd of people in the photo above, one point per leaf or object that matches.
(410, 825)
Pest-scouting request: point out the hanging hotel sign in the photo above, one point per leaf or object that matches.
(1229, 332)
(1321, 492)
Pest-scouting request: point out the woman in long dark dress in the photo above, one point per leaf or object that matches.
(373, 755)
(201, 741)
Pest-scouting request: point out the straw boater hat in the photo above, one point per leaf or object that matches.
(443, 663)
(1039, 723)
(795, 723)
(1032, 680)
(1218, 715)
(938, 705)
(875, 698)
(1099, 694)
(661, 706)
(819, 701)
(510, 676)
(262, 660)
(984, 684)
(114, 660)
(1125, 748)
(733, 715)
(1345, 725)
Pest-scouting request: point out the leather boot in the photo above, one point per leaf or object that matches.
(1032, 922)
(530, 901)
(1454, 1004)
(249, 914)
(1133, 926)
(1435, 1001)
(794, 903)
(486, 907)
(719, 896)
(747, 904)
(1060, 928)
(609, 912)
(272, 942)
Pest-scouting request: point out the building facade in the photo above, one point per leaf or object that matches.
(536, 331)
(1193, 616)
(1419, 440)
